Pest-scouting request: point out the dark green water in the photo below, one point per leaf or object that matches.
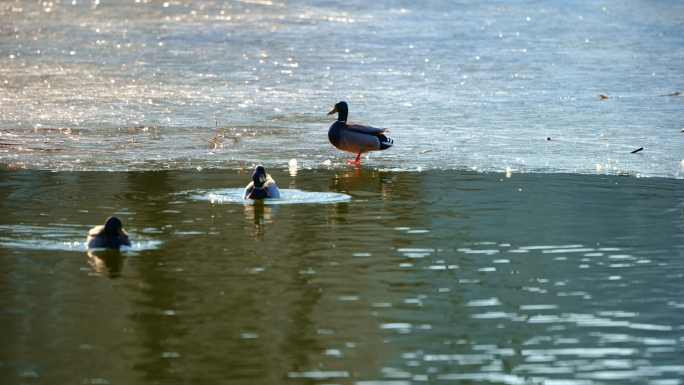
(432, 277)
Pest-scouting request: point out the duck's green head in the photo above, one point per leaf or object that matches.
(259, 176)
(342, 111)
(112, 226)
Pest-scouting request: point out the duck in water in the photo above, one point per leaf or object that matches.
(111, 235)
(262, 185)
(356, 137)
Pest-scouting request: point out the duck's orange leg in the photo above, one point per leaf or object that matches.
(356, 161)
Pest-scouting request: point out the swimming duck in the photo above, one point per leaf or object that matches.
(111, 235)
(262, 185)
(355, 137)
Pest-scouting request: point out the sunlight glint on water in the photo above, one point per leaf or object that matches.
(481, 86)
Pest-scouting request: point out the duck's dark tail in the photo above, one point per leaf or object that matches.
(385, 142)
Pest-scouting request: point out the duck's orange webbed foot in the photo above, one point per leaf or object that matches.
(356, 162)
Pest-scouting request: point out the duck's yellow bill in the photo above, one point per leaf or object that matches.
(334, 110)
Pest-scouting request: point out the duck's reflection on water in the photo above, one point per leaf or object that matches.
(365, 182)
(260, 215)
(106, 261)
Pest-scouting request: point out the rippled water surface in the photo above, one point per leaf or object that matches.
(372, 278)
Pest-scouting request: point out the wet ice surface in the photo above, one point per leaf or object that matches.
(412, 278)
(471, 86)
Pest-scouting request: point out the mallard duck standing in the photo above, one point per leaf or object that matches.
(355, 137)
